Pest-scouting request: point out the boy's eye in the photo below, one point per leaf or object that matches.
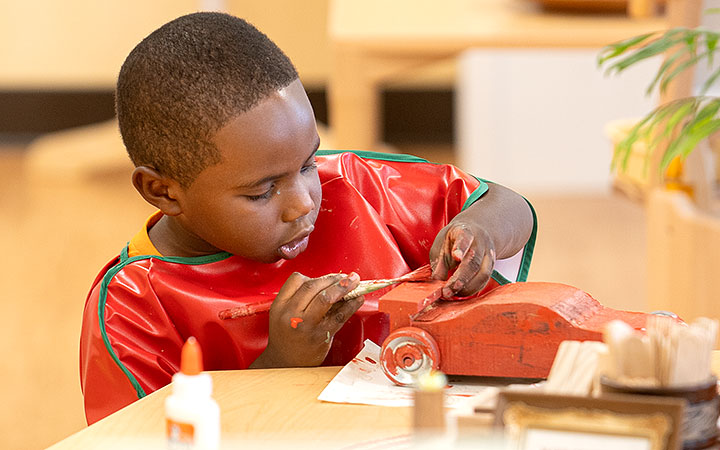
(264, 196)
(309, 167)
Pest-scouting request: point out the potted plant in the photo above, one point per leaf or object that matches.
(676, 128)
(683, 220)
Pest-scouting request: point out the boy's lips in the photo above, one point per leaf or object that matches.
(298, 245)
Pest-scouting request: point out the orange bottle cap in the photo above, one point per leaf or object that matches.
(191, 357)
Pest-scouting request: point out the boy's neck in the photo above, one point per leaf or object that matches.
(171, 239)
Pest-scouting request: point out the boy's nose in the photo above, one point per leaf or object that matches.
(299, 203)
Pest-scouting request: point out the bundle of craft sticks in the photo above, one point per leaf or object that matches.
(670, 354)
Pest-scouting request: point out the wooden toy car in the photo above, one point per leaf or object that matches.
(513, 330)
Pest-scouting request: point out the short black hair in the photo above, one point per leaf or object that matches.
(185, 81)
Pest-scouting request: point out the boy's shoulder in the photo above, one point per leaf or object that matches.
(375, 171)
(143, 267)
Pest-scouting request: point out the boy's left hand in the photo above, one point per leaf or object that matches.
(497, 225)
(468, 247)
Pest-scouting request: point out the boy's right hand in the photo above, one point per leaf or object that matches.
(304, 318)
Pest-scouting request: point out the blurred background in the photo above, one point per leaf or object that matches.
(67, 205)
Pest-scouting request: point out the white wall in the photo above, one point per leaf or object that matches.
(532, 119)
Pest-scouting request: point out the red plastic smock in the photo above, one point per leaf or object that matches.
(379, 217)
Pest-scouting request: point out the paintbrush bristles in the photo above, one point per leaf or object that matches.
(419, 274)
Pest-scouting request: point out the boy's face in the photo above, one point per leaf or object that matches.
(261, 201)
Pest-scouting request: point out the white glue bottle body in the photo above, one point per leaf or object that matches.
(191, 414)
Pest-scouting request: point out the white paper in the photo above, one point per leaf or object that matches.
(362, 381)
(541, 439)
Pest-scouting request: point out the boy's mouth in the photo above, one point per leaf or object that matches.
(298, 245)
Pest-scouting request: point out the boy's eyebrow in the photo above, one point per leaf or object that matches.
(279, 175)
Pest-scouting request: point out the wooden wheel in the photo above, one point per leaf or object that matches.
(407, 354)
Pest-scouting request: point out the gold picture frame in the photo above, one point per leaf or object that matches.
(629, 418)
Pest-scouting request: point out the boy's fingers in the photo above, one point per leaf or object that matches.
(312, 288)
(443, 263)
(439, 268)
(462, 240)
(299, 290)
(291, 285)
(321, 303)
(475, 284)
(340, 312)
(456, 244)
(472, 274)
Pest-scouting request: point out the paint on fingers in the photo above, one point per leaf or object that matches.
(294, 321)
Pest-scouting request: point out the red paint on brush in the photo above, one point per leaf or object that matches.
(244, 310)
(420, 274)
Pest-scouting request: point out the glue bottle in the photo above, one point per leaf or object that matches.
(192, 416)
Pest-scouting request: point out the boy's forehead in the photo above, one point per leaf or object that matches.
(280, 127)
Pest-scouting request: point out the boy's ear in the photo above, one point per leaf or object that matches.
(158, 190)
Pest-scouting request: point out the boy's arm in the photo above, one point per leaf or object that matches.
(496, 226)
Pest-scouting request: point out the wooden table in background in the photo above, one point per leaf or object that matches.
(375, 41)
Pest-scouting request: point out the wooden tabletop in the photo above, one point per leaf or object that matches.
(277, 405)
(259, 407)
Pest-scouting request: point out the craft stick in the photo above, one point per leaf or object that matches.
(585, 368)
(601, 369)
(639, 358)
(562, 366)
(615, 334)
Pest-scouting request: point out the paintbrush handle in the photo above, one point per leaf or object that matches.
(368, 286)
(245, 310)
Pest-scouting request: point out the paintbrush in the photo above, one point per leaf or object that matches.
(368, 286)
(364, 287)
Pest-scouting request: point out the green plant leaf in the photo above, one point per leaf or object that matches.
(710, 108)
(710, 81)
(618, 57)
(711, 40)
(623, 149)
(669, 62)
(669, 116)
(657, 46)
(612, 50)
(679, 69)
(689, 140)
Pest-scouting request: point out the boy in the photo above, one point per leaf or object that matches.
(224, 141)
